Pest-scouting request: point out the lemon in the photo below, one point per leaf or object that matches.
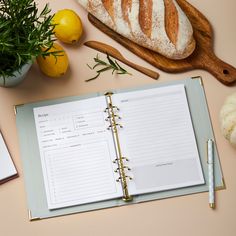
(54, 66)
(68, 27)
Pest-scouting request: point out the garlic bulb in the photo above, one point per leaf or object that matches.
(228, 119)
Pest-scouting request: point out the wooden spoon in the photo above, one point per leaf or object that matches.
(102, 47)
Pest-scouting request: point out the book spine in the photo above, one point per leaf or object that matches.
(119, 160)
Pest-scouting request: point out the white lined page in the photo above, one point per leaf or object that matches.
(158, 138)
(76, 152)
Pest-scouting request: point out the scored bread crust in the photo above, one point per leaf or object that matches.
(159, 25)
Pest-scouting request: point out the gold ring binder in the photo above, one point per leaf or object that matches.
(114, 125)
(119, 159)
(112, 107)
(123, 158)
(119, 179)
(108, 118)
(125, 167)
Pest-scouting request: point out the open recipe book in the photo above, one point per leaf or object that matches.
(120, 145)
(117, 145)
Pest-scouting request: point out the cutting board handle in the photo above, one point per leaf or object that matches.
(224, 72)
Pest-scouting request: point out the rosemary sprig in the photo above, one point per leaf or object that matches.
(24, 31)
(109, 65)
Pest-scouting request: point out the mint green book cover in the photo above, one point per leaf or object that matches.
(33, 177)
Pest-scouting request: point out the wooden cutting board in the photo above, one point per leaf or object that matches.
(202, 58)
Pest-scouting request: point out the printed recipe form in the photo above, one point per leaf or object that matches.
(158, 138)
(76, 151)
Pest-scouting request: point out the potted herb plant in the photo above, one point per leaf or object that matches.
(24, 32)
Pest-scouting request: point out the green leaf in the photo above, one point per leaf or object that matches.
(104, 69)
(110, 65)
(110, 61)
(100, 61)
(45, 11)
(122, 69)
(95, 77)
(89, 66)
(98, 64)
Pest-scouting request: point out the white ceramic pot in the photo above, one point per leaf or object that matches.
(18, 76)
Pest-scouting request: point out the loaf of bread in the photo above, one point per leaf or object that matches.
(159, 25)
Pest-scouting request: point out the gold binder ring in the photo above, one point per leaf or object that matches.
(127, 177)
(110, 117)
(114, 125)
(117, 124)
(110, 126)
(115, 107)
(110, 107)
(123, 158)
(118, 180)
(124, 167)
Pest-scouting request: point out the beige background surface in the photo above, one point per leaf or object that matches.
(187, 215)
